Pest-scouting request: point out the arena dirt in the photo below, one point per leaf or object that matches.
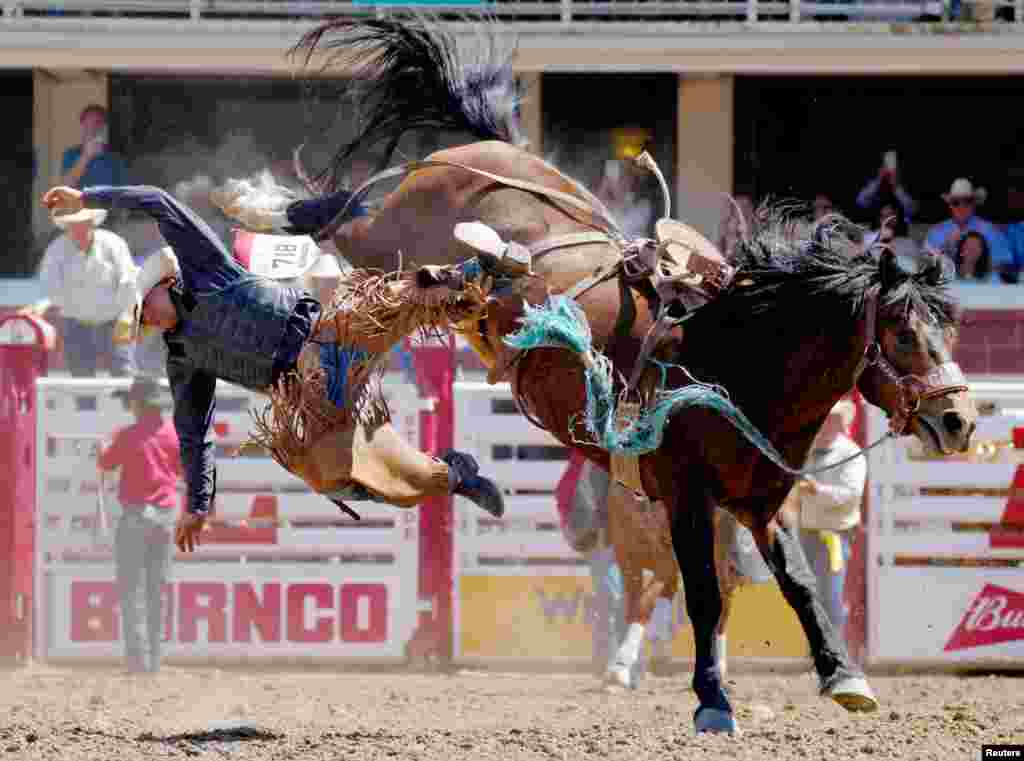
(80, 715)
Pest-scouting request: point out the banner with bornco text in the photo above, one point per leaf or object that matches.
(281, 572)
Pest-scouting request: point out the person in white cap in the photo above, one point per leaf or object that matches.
(325, 423)
(963, 200)
(88, 273)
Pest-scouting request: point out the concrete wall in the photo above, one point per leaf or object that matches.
(704, 150)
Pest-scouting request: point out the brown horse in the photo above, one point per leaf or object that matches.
(805, 320)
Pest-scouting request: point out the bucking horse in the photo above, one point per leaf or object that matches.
(699, 383)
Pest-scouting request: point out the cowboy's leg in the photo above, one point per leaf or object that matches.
(393, 471)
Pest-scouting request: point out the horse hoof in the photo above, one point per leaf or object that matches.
(715, 720)
(854, 694)
(618, 676)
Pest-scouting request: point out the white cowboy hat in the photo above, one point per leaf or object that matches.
(95, 216)
(157, 268)
(963, 188)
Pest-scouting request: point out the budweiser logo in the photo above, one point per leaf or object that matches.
(996, 615)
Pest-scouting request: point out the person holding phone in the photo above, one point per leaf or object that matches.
(92, 162)
(887, 184)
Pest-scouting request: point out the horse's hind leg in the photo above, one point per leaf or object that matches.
(693, 538)
(839, 677)
(638, 603)
(728, 580)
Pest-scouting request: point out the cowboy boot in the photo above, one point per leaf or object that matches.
(493, 253)
(464, 480)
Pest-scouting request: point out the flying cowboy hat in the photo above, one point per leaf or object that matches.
(94, 216)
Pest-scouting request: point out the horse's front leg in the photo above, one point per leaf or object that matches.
(693, 538)
(839, 677)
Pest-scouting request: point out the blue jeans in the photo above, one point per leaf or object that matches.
(84, 343)
(143, 555)
(608, 625)
(830, 585)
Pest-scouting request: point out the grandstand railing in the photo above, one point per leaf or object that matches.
(837, 13)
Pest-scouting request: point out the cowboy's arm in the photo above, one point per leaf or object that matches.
(49, 278)
(869, 193)
(193, 393)
(196, 245)
(1002, 256)
(906, 201)
(312, 216)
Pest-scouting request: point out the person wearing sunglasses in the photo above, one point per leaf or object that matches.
(963, 200)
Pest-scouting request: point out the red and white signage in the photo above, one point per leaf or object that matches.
(281, 572)
(240, 611)
(946, 542)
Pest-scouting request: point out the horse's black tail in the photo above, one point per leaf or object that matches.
(410, 75)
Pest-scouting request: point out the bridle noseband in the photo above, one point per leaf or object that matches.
(944, 380)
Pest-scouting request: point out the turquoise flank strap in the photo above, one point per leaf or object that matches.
(561, 324)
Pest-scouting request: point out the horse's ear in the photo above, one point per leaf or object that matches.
(889, 268)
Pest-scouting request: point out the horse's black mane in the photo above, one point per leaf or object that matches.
(410, 75)
(811, 270)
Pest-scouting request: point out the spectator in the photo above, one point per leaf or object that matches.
(617, 190)
(973, 260)
(1015, 208)
(737, 217)
(91, 162)
(822, 206)
(147, 452)
(827, 508)
(963, 199)
(893, 232)
(89, 275)
(887, 184)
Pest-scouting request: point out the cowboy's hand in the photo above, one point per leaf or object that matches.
(186, 533)
(63, 200)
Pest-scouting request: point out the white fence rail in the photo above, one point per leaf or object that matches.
(281, 570)
(946, 543)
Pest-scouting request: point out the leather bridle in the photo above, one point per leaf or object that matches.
(943, 380)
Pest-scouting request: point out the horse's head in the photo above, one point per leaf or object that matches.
(909, 371)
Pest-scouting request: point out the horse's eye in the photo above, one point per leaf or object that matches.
(906, 338)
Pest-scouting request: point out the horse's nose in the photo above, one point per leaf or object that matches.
(957, 425)
(954, 422)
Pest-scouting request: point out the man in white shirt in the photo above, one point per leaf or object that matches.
(829, 508)
(88, 273)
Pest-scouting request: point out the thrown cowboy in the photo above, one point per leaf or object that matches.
(326, 422)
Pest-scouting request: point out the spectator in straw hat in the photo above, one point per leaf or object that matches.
(963, 200)
(147, 453)
(327, 422)
(826, 507)
(88, 274)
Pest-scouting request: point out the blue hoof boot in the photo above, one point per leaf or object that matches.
(710, 719)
